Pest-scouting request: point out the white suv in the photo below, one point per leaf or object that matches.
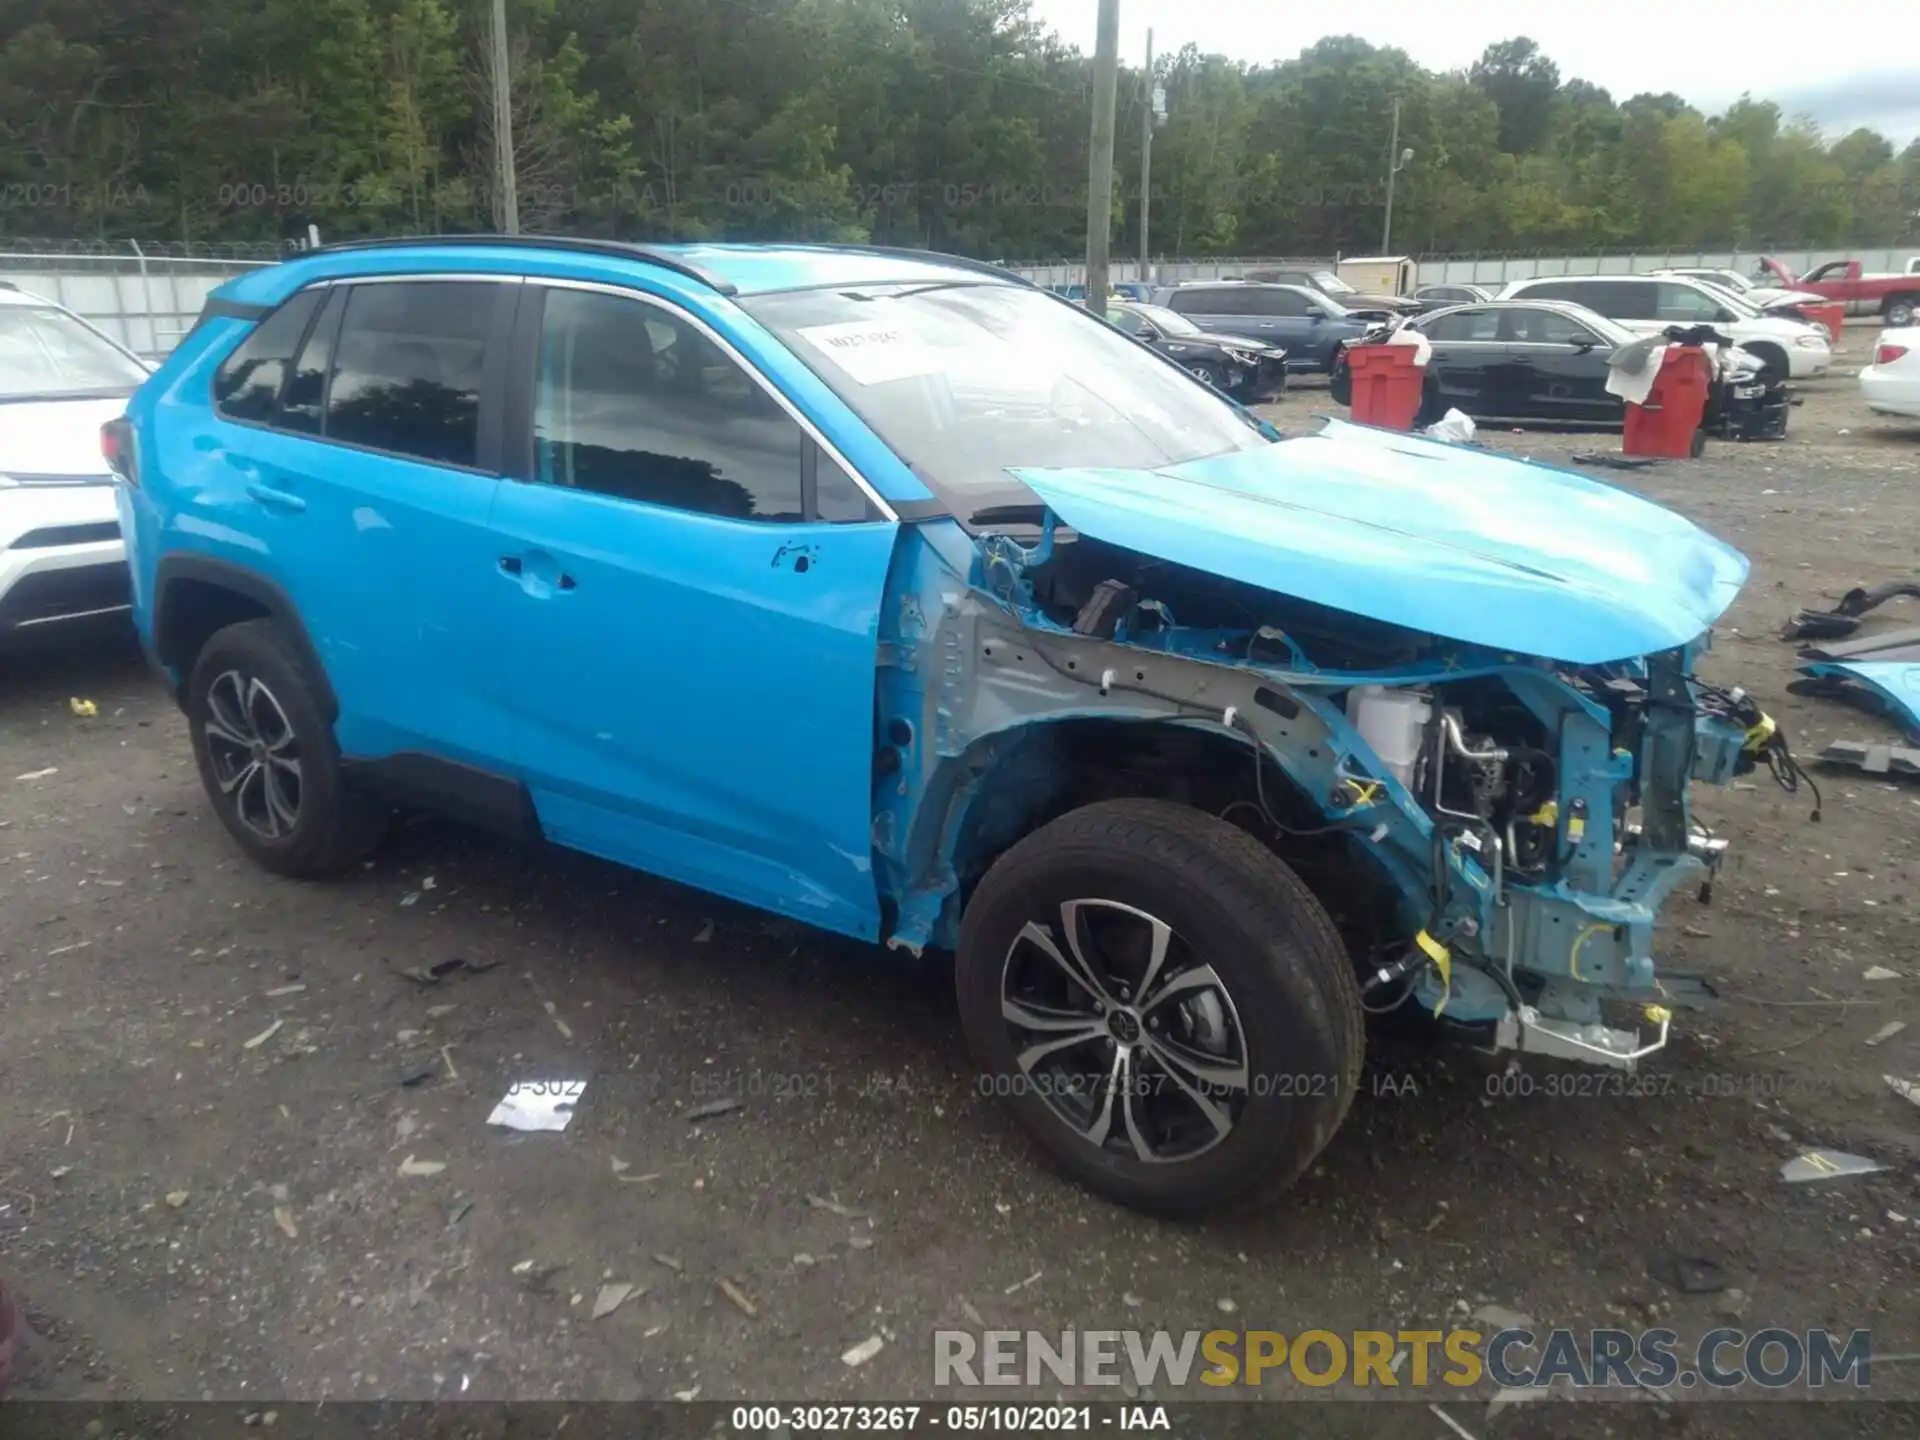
(61, 556)
(1649, 304)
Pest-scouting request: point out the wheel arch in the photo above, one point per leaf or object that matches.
(1770, 353)
(1005, 785)
(196, 596)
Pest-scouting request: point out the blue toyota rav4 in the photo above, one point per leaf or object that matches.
(891, 593)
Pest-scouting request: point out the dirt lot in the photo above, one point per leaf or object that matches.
(207, 1110)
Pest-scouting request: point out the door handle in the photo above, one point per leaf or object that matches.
(510, 565)
(537, 574)
(276, 499)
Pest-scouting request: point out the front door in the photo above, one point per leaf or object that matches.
(694, 586)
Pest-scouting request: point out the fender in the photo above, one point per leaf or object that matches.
(171, 619)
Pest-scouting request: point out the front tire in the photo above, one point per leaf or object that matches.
(1208, 375)
(267, 755)
(1165, 1007)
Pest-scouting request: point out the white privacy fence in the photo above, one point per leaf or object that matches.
(146, 302)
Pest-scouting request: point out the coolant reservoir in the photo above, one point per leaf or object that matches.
(1391, 722)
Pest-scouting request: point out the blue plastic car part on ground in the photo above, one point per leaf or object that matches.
(1893, 684)
(849, 740)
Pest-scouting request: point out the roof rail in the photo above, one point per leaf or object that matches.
(625, 249)
(904, 252)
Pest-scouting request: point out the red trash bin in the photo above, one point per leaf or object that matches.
(1669, 419)
(1386, 384)
(1829, 317)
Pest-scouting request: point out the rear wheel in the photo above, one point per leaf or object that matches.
(1899, 312)
(267, 755)
(1162, 1003)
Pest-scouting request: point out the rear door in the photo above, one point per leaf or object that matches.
(1473, 369)
(367, 470)
(692, 582)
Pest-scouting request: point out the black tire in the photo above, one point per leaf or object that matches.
(1698, 446)
(1291, 1019)
(1207, 373)
(1339, 380)
(1899, 311)
(251, 675)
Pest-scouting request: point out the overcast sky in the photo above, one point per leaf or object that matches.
(1829, 68)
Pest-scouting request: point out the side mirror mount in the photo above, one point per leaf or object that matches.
(1582, 347)
(1315, 317)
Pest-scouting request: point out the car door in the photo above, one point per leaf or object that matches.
(693, 582)
(369, 477)
(1565, 366)
(1291, 319)
(1469, 364)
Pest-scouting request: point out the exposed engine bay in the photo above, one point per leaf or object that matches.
(1518, 821)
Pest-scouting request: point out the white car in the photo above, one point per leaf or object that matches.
(1649, 304)
(1891, 385)
(61, 556)
(1763, 297)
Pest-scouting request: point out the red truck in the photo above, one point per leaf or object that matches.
(1893, 296)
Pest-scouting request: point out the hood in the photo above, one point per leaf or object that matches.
(1770, 299)
(1230, 342)
(1437, 538)
(1393, 304)
(55, 437)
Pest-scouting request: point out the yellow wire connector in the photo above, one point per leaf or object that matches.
(1758, 735)
(1442, 961)
(1658, 1014)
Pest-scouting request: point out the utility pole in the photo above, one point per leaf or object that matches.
(1106, 79)
(503, 123)
(1147, 117)
(1397, 160)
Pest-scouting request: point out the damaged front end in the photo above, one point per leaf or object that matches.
(1493, 829)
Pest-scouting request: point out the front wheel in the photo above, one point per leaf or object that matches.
(1162, 1003)
(267, 755)
(1206, 374)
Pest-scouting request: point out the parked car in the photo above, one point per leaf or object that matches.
(62, 564)
(1647, 305)
(1547, 361)
(1306, 323)
(1893, 297)
(1325, 283)
(1433, 297)
(1251, 371)
(844, 582)
(1125, 289)
(1891, 384)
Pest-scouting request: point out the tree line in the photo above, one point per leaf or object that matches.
(956, 124)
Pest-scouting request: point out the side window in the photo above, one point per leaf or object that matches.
(1279, 302)
(1553, 290)
(634, 402)
(247, 384)
(1465, 325)
(1549, 327)
(407, 369)
(1127, 321)
(306, 393)
(1685, 304)
(1628, 300)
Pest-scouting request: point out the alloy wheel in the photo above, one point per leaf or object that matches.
(255, 754)
(1125, 1032)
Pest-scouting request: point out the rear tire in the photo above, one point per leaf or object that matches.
(1242, 1043)
(1899, 312)
(268, 758)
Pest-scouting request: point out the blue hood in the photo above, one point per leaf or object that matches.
(1444, 539)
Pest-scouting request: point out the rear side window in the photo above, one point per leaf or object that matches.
(1209, 302)
(302, 404)
(1465, 325)
(407, 369)
(1279, 302)
(247, 385)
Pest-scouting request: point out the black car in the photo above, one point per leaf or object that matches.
(1547, 361)
(1251, 371)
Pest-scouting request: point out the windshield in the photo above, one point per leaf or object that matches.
(1332, 283)
(965, 381)
(1167, 322)
(46, 351)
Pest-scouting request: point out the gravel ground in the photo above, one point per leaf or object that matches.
(203, 1154)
